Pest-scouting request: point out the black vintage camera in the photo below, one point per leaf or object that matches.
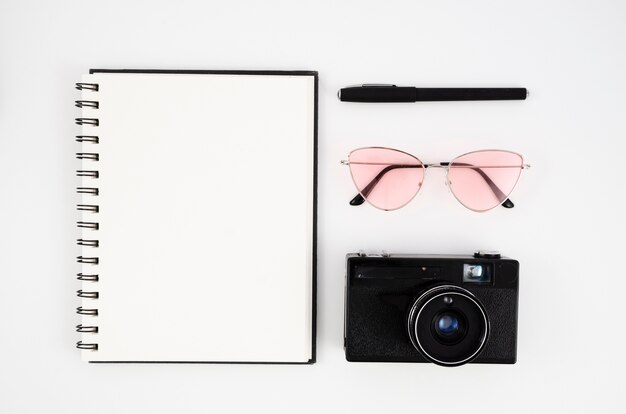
(449, 310)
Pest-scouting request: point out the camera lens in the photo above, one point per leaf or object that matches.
(448, 325)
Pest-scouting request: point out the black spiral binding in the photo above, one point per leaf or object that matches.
(88, 224)
(93, 191)
(88, 156)
(88, 121)
(86, 242)
(88, 207)
(89, 329)
(87, 104)
(89, 86)
(89, 260)
(87, 138)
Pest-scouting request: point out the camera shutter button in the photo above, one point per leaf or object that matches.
(487, 254)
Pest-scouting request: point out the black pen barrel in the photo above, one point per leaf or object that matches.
(470, 94)
(412, 94)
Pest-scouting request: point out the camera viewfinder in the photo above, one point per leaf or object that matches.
(477, 273)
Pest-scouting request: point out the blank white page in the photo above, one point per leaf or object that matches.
(206, 200)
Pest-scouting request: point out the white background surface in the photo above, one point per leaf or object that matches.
(566, 230)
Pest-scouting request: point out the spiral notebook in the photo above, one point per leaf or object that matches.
(197, 227)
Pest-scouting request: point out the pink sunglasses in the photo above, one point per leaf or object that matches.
(389, 179)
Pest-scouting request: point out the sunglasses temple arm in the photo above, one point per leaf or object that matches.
(507, 203)
(359, 199)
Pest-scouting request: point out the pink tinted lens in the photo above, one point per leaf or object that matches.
(482, 180)
(386, 178)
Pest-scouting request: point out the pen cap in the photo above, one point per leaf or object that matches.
(388, 93)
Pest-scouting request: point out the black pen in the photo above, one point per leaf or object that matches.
(393, 93)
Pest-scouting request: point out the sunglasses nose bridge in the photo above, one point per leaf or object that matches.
(446, 177)
(442, 166)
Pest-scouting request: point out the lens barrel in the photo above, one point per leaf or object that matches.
(448, 325)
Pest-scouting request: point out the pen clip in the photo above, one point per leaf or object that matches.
(378, 85)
